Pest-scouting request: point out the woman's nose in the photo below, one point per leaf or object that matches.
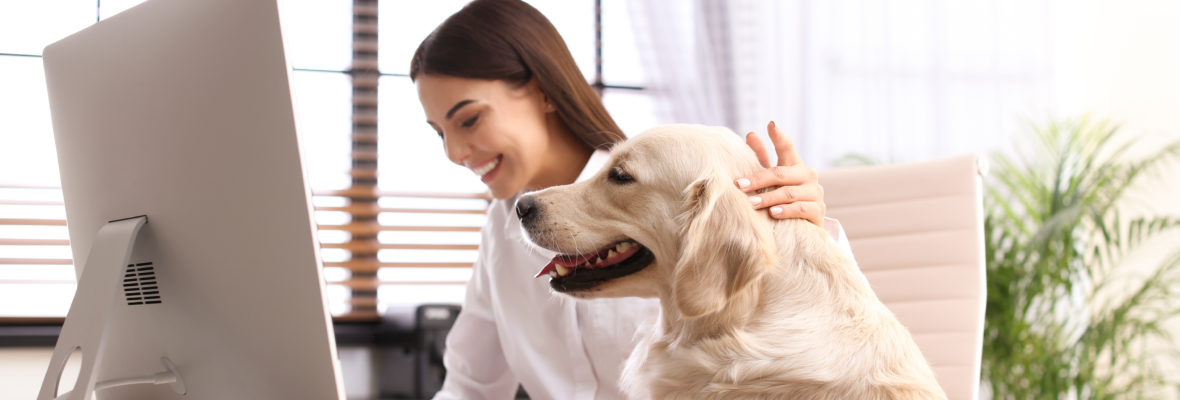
(457, 149)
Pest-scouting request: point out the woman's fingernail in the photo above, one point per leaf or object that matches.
(772, 125)
(743, 182)
(776, 211)
(755, 200)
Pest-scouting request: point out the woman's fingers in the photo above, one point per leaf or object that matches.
(797, 192)
(787, 156)
(808, 210)
(755, 144)
(787, 195)
(778, 176)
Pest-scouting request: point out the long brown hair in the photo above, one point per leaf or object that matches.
(511, 41)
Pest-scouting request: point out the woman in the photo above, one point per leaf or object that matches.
(503, 92)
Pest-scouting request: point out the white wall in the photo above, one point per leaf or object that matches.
(1131, 60)
(1132, 64)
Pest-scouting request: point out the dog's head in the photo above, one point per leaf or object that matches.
(662, 219)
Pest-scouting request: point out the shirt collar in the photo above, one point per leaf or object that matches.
(596, 162)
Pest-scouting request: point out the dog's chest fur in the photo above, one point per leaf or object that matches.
(810, 330)
(767, 360)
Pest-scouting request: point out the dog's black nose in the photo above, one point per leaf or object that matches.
(526, 208)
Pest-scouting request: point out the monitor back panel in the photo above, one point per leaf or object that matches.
(181, 110)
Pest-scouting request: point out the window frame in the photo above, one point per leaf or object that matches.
(363, 195)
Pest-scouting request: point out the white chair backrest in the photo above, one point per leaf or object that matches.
(916, 231)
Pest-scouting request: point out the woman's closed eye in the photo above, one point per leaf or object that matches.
(467, 123)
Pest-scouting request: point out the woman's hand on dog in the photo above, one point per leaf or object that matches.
(799, 194)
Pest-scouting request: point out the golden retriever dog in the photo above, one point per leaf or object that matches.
(751, 307)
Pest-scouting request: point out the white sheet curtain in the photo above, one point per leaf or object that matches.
(896, 81)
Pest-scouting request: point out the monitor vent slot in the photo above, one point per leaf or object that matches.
(139, 284)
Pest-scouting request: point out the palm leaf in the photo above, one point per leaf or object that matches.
(1056, 245)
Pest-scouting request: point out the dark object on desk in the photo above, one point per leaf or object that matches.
(413, 367)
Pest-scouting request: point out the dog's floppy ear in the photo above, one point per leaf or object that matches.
(725, 247)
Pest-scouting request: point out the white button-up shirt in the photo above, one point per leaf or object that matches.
(513, 328)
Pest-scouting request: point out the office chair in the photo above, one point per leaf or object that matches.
(916, 231)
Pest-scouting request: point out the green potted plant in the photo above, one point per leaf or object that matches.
(1065, 316)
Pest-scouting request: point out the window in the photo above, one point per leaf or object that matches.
(924, 79)
(424, 226)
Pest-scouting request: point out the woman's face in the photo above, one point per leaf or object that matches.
(497, 131)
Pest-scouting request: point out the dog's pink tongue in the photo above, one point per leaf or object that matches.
(551, 266)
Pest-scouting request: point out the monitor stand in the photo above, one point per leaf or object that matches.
(86, 324)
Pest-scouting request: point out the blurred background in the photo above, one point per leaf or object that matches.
(853, 82)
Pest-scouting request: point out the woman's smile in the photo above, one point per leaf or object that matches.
(488, 170)
(511, 143)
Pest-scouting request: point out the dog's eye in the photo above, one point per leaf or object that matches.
(619, 176)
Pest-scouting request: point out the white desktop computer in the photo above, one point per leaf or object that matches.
(188, 212)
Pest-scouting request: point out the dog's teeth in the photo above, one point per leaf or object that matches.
(597, 260)
(624, 246)
(563, 271)
(611, 254)
(586, 265)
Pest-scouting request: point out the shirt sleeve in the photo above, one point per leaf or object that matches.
(475, 363)
(837, 232)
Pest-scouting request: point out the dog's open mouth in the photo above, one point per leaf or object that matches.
(581, 272)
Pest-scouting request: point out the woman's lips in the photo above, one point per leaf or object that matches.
(487, 177)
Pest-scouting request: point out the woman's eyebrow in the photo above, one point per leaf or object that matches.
(454, 109)
(457, 106)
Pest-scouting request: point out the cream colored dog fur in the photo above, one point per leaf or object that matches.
(751, 307)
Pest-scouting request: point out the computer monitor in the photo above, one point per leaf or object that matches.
(189, 215)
